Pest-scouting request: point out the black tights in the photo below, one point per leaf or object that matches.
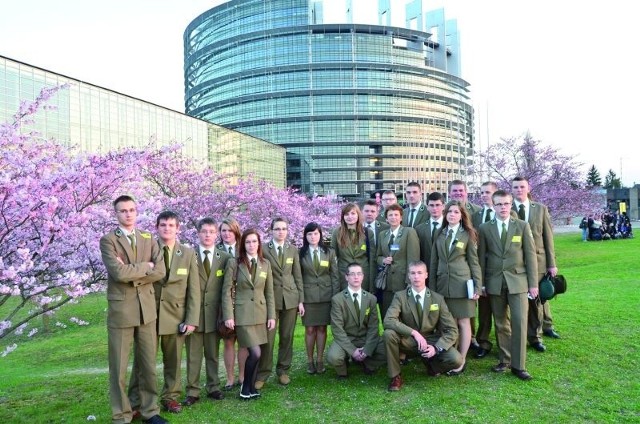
(251, 370)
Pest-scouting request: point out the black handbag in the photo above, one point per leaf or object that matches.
(381, 278)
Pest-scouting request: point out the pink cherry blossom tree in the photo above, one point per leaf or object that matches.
(555, 179)
(56, 203)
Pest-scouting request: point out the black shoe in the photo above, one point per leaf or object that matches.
(404, 361)
(255, 395)
(156, 419)
(474, 346)
(538, 346)
(244, 394)
(341, 377)
(521, 374)
(216, 395)
(481, 353)
(501, 367)
(550, 332)
(190, 400)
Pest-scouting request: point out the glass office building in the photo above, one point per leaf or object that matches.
(359, 107)
(99, 120)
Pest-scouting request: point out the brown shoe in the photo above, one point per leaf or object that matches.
(172, 406)
(396, 383)
(282, 379)
(190, 400)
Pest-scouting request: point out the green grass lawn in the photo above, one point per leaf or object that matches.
(589, 375)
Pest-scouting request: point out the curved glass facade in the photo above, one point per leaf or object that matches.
(358, 107)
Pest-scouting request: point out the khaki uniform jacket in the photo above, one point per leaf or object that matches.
(540, 223)
(359, 253)
(407, 239)
(288, 290)
(377, 228)
(130, 293)
(450, 270)
(321, 285)
(516, 264)
(349, 329)
(178, 297)
(426, 241)
(211, 290)
(422, 215)
(254, 303)
(402, 317)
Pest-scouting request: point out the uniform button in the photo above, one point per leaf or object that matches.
(252, 299)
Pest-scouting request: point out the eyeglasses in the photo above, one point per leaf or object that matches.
(356, 274)
(502, 205)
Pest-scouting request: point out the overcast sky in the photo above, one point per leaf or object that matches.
(564, 71)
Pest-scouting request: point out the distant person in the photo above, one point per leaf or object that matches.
(133, 262)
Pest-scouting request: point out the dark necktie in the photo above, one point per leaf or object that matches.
(447, 241)
(433, 230)
(503, 236)
(521, 212)
(419, 308)
(372, 232)
(391, 239)
(167, 261)
(206, 264)
(487, 215)
(280, 256)
(413, 211)
(316, 260)
(231, 250)
(132, 239)
(356, 304)
(254, 266)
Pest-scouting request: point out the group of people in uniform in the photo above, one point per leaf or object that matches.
(451, 269)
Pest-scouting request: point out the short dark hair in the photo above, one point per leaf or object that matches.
(500, 193)
(435, 196)
(371, 202)
(394, 207)
(413, 184)
(351, 265)
(389, 192)
(205, 221)
(519, 178)
(165, 216)
(457, 182)
(279, 219)
(123, 198)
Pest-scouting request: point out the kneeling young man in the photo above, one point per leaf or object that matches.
(418, 322)
(354, 324)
